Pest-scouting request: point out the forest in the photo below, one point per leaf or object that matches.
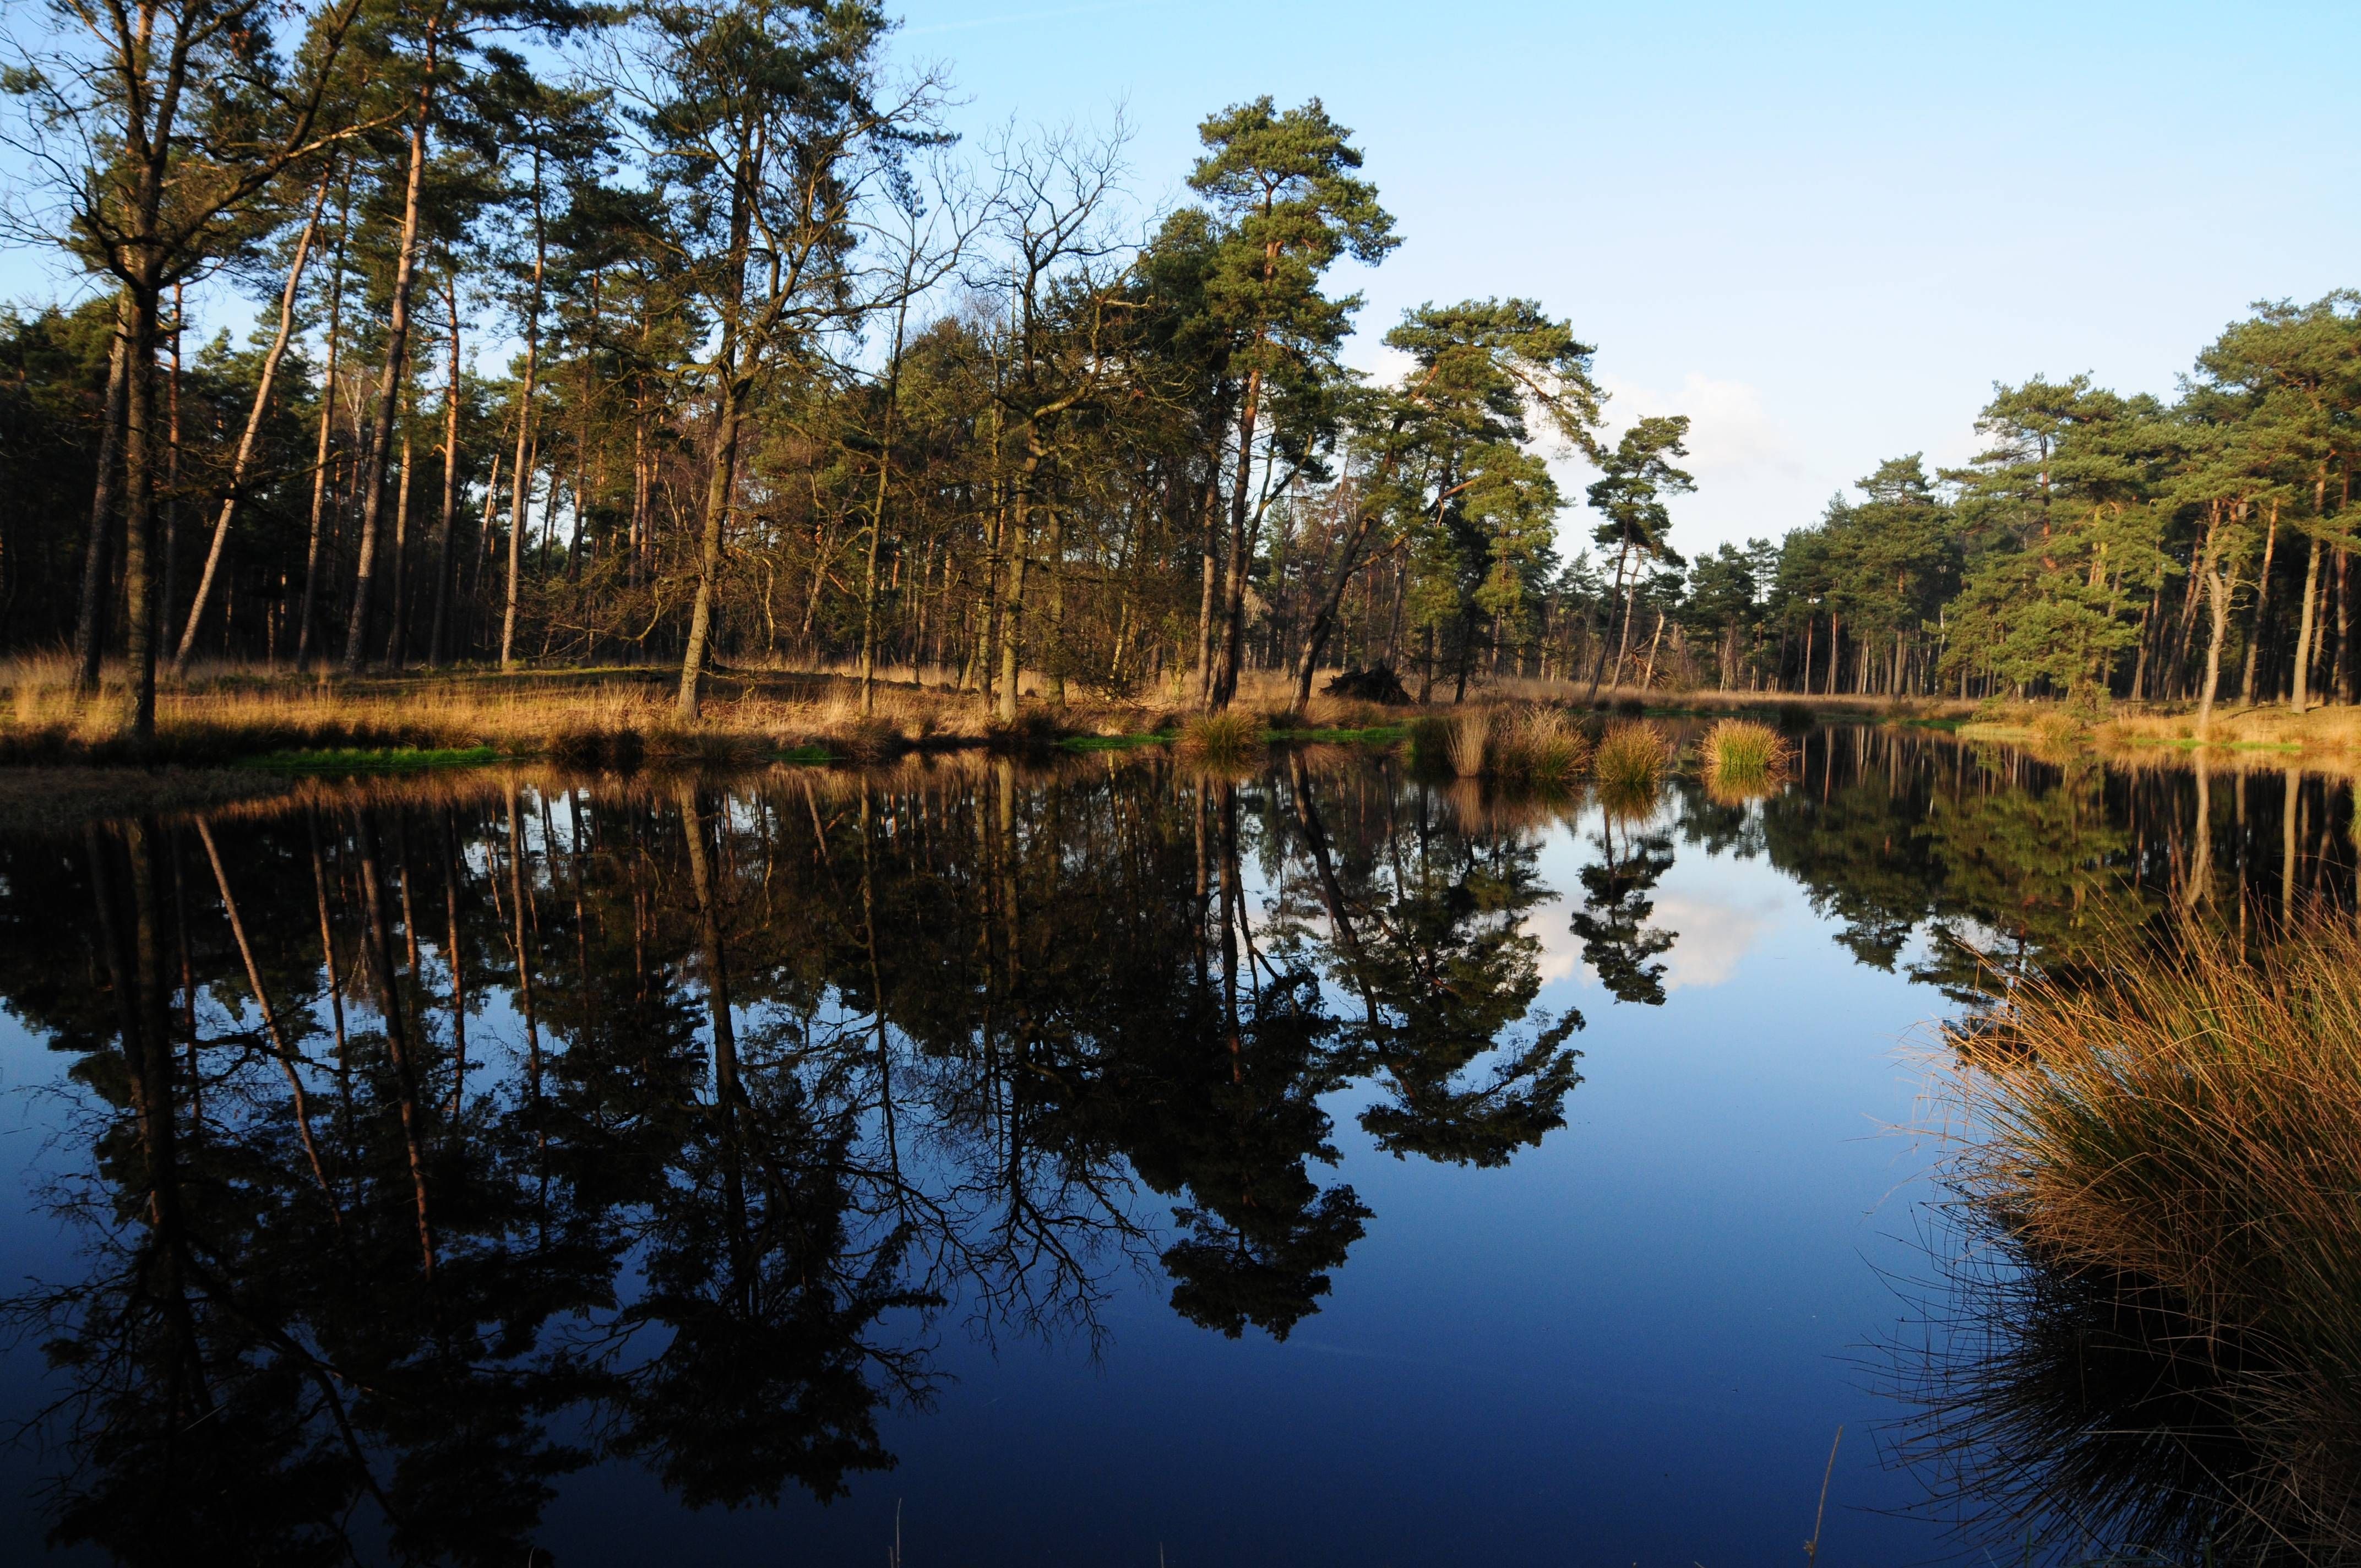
(688, 337)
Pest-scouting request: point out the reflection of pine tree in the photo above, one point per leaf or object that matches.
(1616, 940)
(1428, 931)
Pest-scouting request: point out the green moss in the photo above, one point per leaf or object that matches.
(1119, 742)
(1377, 735)
(384, 759)
(805, 754)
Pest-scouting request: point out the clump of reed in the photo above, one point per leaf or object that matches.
(1229, 736)
(1540, 749)
(1631, 756)
(1467, 738)
(1743, 758)
(2187, 1117)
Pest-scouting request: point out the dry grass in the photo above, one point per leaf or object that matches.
(1468, 735)
(1743, 760)
(2190, 1121)
(1227, 737)
(592, 717)
(1632, 756)
(1540, 748)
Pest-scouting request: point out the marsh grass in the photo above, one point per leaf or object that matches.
(1743, 760)
(1541, 748)
(1467, 738)
(1227, 737)
(2187, 1118)
(1633, 757)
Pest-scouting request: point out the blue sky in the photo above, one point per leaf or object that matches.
(1822, 231)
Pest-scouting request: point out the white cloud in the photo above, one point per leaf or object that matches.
(1752, 477)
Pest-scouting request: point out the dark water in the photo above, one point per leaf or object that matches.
(1091, 1163)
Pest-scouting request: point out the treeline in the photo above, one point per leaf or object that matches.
(788, 374)
(2100, 546)
(676, 333)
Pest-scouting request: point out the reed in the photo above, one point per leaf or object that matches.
(2189, 1118)
(1743, 758)
(1541, 750)
(1229, 736)
(1632, 758)
(1466, 739)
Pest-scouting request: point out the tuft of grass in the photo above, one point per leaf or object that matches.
(2187, 1117)
(1467, 738)
(1743, 757)
(1540, 748)
(1229, 736)
(1633, 757)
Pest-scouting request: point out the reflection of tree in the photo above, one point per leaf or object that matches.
(1427, 930)
(436, 1123)
(1618, 943)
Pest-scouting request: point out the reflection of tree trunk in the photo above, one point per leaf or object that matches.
(727, 1094)
(2291, 802)
(397, 1040)
(453, 957)
(516, 947)
(336, 982)
(269, 1017)
(137, 981)
(2201, 857)
(1230, 895)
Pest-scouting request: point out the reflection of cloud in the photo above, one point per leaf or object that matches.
(1713, 935)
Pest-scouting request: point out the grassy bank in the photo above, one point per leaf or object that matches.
(2169, 1144)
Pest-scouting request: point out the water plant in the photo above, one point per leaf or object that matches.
(1745, 759)
(1225, 737)
(1541, 748)
(2178, 1127)
(1466, 740)
(1631, 757)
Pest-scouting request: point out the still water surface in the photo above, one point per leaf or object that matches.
(1100, 1162)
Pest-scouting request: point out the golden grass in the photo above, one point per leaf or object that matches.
(1744, 761)
(612, 718)
(1230, 736)
(1632, 756)
(1466, 736)
(2190, 1120)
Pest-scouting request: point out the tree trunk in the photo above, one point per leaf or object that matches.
(1234, 590)
(2300, 695)
(97, 571)
(2262, 607)
(441, 548)
(253, 428)
(307, 616)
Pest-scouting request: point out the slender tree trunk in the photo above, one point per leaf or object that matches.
(98, 567)
(307, 618)
(2262, 607)
(1233, 593)
(521, 510)
(722, 475)
(253, 429)
(2299, 693)
(379, 439)
(398, 607)
(441, 548)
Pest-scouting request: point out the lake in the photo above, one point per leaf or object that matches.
(1081, 1160)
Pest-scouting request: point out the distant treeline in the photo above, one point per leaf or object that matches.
(798, 378)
